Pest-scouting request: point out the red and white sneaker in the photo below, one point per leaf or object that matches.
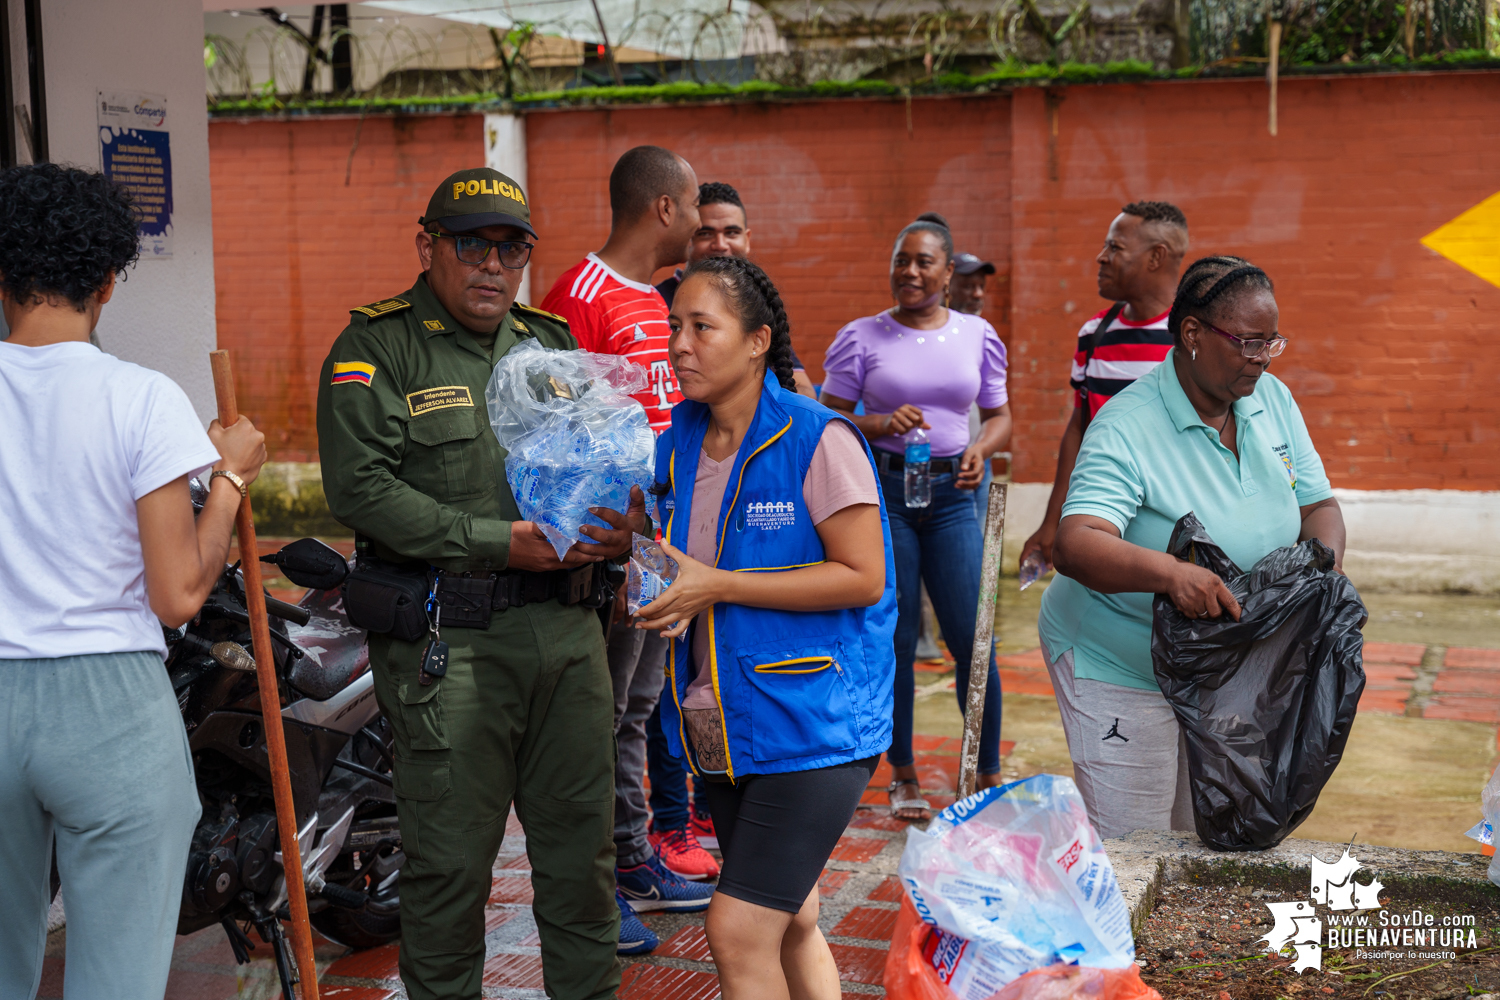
(683, 855)
(703, 828)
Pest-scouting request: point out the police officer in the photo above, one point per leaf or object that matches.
(522, 710)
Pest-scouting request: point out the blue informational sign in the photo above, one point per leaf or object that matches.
(135, 151)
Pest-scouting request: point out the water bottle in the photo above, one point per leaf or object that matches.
(649, 572)
(918, 468)
(1033, 568)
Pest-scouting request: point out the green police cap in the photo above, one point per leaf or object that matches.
(475, 198)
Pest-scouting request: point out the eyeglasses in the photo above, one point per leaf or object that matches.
(474, 250)
(1253, 348)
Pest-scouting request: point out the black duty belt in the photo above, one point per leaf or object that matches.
(889, 462)
(467, 599)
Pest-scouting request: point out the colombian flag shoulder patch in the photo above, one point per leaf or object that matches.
(352, 371)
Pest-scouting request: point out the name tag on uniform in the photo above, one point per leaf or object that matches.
(442, 397)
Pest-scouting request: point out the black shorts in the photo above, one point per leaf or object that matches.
(776, 831)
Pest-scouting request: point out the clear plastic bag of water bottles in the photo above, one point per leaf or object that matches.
(575, 437)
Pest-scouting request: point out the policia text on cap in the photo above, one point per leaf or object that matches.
(524, 711)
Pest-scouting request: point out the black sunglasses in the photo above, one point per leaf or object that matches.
(475, 249)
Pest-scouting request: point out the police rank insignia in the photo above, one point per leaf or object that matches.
(352, 371)
(383, 308)
(436, 326)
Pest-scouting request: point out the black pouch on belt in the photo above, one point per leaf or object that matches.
(387, 600)
(466, 599)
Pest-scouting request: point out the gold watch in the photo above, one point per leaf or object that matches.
(236, 480)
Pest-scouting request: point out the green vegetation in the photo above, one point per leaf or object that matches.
(1003, 76)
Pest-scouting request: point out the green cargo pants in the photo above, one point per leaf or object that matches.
(525, 713)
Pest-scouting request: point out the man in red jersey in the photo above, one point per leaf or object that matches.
(612, 308)
(607, 298)
(1138, 270)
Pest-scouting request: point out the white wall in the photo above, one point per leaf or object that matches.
(1421, 541)
(162, 315)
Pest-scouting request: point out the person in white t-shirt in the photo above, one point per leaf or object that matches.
(98, 549)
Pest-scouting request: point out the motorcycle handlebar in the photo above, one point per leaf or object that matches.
(290, 612)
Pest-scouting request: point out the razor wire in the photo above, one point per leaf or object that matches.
(802, 42)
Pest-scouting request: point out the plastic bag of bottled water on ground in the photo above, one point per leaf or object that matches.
(576, 439)
(1010, 880)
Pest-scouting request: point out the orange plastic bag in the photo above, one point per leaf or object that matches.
(909, 975)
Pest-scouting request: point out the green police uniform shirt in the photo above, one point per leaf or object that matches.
(408, 456)
(1148, 459)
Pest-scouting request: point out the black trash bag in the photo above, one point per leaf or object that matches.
(1265, 702)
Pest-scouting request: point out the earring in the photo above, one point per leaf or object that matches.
(1194, 355)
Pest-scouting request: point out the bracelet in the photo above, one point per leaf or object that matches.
(236, 480)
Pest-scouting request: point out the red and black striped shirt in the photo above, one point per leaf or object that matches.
(1125, 353)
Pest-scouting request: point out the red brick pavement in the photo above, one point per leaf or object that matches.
(1467, 687)
(858, 890)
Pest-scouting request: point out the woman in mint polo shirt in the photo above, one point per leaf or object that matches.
(1209, 431)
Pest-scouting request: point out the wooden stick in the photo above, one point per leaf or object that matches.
(270, 704)
(984, 631)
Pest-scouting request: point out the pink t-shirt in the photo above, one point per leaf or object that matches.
(839, 476)
(943, 371)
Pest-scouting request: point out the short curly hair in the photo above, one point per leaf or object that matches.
(63, 232)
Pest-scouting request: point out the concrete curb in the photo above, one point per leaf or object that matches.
(1146, 860)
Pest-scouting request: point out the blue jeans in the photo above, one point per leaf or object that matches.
(939, 545)
(669, 794)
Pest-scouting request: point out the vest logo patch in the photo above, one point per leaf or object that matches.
(442, 397)
(770, 515)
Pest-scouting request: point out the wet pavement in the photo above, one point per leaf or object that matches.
(860, 897)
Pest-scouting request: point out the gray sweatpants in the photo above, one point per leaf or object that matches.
(92, 750)
(637, 664)
(1129, 758)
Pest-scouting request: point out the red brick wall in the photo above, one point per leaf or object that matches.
(295, 248)
(1393, 355)
(827, 187)
(1392, 358)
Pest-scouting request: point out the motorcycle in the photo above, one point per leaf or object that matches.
(339, 751)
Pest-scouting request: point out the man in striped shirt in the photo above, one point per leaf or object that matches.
(612, 308)
(1138, 270)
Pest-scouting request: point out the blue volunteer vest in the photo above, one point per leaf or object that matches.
(796, 690)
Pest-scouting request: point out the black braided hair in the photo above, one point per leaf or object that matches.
(1210, 280)
(757, 301)
(925, 224)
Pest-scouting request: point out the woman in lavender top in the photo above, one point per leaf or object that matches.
(922, 364)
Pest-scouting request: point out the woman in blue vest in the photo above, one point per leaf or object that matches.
(779, 680)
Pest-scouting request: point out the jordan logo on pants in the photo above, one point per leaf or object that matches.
(1114, 733)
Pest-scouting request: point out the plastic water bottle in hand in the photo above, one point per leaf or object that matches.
(1033, 568)
(918, 468)
(649, 572)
